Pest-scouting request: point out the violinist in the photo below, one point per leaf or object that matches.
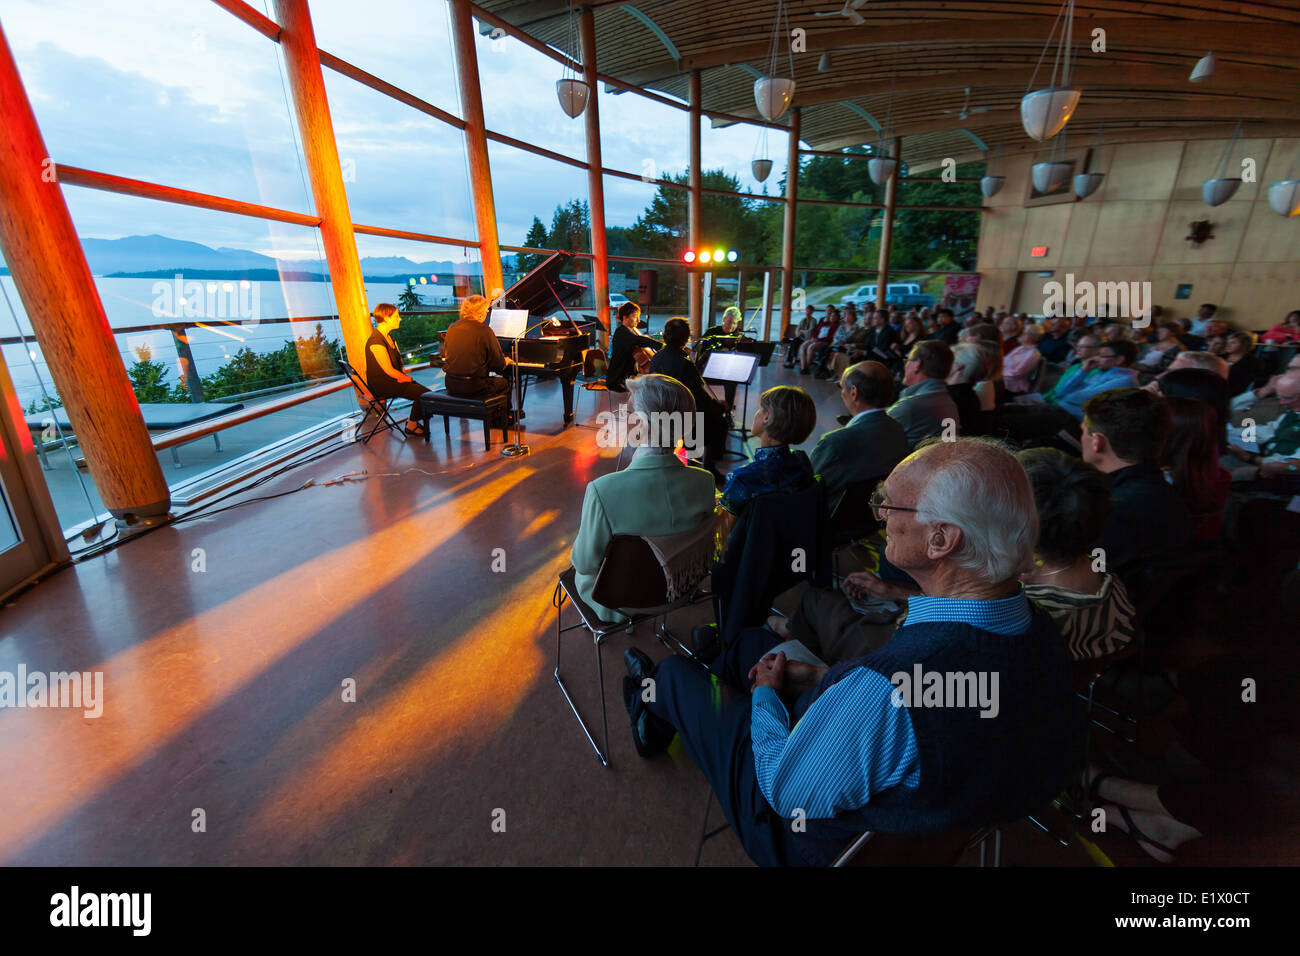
(629, 351)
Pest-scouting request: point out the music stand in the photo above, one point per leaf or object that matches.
(736, 368)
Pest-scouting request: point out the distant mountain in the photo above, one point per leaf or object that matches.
(162, 254)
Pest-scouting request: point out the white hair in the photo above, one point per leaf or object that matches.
(986, 493)
(662, 399)
(972, 362)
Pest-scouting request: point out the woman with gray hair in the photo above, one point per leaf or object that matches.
(656, 494)
(970, 366)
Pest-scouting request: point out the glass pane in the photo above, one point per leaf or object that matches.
(642, 136)
(9, 535)
(519, 99)
(407, 45)
(540, 203)
(732, 149)
(180, 94)
(402, 169)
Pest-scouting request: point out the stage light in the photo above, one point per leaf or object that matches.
(689, 255)
(705, 256)
(731, 256)
(719, 255)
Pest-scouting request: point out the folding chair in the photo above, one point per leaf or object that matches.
(383, 418)
(594, 364)
(630, 576)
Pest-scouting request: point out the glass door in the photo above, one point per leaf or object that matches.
(23, 546)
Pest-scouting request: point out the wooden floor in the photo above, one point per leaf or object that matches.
(226, 643)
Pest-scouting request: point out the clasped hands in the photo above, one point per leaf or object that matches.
(788, 678)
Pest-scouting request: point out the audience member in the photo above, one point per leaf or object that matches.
(1245, 370)
(969, 366)
(1090, 606)
(818, 339)
(1023, 362)
(1191, 463)
(656, 494)
(1055, 345)
(785, 416)
(674, 360)
(947, 329)
(1160, 353)
(1204, 316)
(1286, 332)
(924, 405)
(872, 442)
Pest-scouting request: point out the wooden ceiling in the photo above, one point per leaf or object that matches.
(931, 51)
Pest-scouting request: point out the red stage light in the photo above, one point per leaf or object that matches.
(689, 255)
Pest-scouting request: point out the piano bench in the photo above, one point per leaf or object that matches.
(485, 410)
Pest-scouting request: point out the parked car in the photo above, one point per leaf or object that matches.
(615, 300)
(865, 296)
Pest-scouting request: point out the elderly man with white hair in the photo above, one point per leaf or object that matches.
(966, 717)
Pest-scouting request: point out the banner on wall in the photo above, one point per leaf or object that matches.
(966, 284)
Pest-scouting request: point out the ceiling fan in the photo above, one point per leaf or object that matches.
(965, 107)
(849, 10)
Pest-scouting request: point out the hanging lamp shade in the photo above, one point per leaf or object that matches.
(1047, 176)
(761, 168)
(1284, 197)
(772, 96)
(1219, 190)
(824, 63)
(1044, 113)
(573, 95)
(990, 186)
(1085, 184)
(1204, 69)
(880, 168)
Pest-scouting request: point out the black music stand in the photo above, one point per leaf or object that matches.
(736, 368)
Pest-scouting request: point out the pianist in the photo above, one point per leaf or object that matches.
(624, 347)
(385, 376)
(471, 352)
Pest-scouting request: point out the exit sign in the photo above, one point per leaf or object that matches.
(1038, 251)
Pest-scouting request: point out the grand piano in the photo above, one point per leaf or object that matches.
(554, 350)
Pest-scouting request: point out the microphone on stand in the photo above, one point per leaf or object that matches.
(519, 449)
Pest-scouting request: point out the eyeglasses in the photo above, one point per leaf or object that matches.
(877, 505)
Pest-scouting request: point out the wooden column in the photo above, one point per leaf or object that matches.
(787, 233)
(185, 358)
(595, 176)
(480, 171)
(53, 280)
(311, 109)
(887, 227)
(695, 213)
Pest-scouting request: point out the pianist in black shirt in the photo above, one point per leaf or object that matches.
(623, 345)
(674, 360)
(385, 376)
(471, 353)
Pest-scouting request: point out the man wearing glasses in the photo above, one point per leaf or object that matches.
(811, 757)
(1110, 367)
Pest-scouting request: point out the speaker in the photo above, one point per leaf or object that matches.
(647, 288)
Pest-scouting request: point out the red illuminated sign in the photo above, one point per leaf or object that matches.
(1038, 251)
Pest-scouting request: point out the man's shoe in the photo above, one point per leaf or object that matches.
(638, 663)
(705, 642)
(650, 735)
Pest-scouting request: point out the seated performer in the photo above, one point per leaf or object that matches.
(471, 352)
(384, 374)
(624, 345)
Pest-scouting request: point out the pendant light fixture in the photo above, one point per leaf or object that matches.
(761, 165)
(991, 185)
(773, 94)
(1284, 196)
(881, 166)
(1221, 188)
(1044, 112)
(1204, 68)
(572, 91)
(1050, 174)
(1086, 183)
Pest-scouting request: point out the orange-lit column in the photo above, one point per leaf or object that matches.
(887, 228)
(787, 233)
(595, 178)
(49, 270)
(302, 63)
(480, 172)
(695, 207)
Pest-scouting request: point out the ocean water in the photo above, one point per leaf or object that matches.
(136, 302)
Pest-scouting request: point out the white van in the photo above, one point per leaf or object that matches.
(866, 295)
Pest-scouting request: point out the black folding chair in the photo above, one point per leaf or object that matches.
(379, 406)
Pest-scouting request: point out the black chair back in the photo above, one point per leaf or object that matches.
(851, 518)
(630, 575)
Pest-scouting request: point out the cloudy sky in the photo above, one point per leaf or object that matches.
(180, 92)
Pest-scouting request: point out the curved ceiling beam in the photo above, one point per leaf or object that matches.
(855, 108)
(654, 28)
(979, 143)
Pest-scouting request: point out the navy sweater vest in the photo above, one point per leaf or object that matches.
(974, 770)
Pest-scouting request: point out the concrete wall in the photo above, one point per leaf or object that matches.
(1134, 228)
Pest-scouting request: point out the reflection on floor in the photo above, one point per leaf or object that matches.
(230, 645)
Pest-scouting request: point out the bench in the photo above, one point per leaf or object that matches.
(158, 417)
(485, 410)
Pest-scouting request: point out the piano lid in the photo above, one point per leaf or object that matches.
(542, 291)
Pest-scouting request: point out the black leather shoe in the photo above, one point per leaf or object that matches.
(650, 735)
(706, 643)
(638, 663)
